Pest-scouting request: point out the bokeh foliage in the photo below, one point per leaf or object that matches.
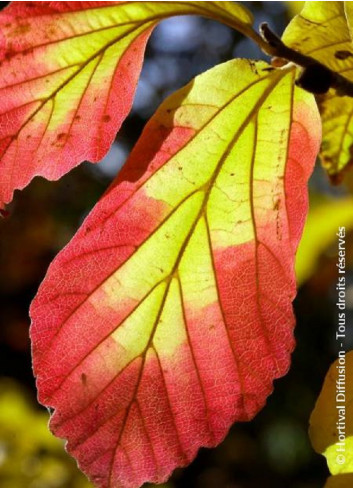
(30, 456)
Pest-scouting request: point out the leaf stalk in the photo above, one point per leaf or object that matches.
(315, 77)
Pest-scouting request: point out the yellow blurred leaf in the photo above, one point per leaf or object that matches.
(321, 31)
(30, 456)
(331, 422)
(340, 466)
(320, 233)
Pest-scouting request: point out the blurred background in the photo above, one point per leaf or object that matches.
(274, 449)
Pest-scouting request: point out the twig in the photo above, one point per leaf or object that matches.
(316, 77)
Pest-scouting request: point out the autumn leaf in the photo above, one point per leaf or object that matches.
(321, 31)
(68, 73)
(331, 425)
(169, 314)
(319, 234)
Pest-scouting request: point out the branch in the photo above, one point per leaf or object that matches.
(315, 77)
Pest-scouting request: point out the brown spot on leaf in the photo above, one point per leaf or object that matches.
(106, 118)
(61, 136)
(343, 54)
(253, 67)
(84, 378)
(20, 30)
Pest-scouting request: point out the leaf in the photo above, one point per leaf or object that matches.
(156, 328)
(331, 408)
(319, 234)
(68, 75)
(321, 31)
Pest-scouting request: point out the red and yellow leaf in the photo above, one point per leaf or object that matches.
(169, 314)
(68, 73)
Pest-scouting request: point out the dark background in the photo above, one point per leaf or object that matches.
(271, 451)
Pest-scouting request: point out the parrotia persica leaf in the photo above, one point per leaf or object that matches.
(331, 422)
(169, 314)
(321, 31)
(68, 73)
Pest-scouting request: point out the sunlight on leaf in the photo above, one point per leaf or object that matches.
(321, 31)
(319, 234)
(169, 314)
(330, 410)
(68, 74)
